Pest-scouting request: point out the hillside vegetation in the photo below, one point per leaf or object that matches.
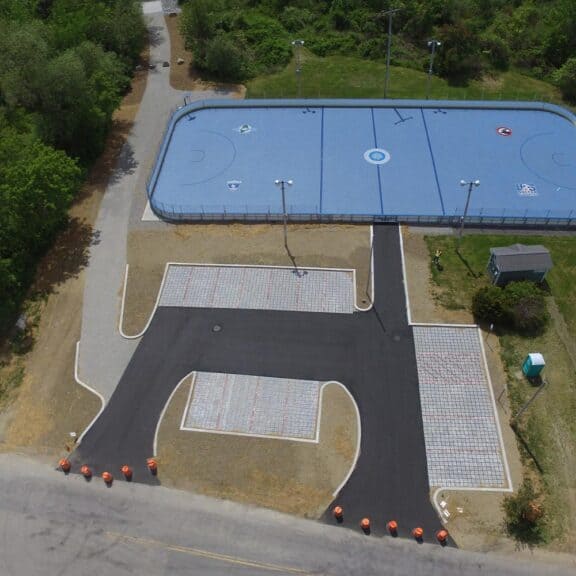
(65, 65)
(241, 39)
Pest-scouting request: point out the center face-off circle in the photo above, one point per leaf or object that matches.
(377, 156)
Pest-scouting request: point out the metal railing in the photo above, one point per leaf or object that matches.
(298, 213)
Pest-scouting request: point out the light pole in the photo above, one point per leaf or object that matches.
(432, 44)
(471, 184)
(282, 184)
(390, 14)
(298, 47)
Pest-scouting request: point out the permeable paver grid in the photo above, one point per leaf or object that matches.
(462, 441)
(253, 405)
(255, 288)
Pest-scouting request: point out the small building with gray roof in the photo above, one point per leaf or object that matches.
(519, 262)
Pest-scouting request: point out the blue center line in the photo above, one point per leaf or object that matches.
(377, 167)
(321, 156)
(433, 162)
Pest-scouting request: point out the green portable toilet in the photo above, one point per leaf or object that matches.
(533, 365)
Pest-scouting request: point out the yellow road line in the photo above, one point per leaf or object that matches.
(206, 554)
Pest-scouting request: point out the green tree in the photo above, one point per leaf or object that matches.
(197, 27)
(459, 61)
(25, 51)
(224, 60)
(82, 88)
(565, 79)
(37, 184)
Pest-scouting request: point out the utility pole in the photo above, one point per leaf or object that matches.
(282, 184)
(390, 14)
(432, 44)
(298, 47)
(471, 184)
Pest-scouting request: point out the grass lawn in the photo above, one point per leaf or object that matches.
(548, 427)
(342, 77)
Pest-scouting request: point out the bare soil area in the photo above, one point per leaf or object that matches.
(183, 76)
(49, 403)
(328, 246)
(294, 477)
(422, 293)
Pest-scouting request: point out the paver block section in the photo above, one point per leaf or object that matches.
(253, 405)
(463, 446)
(258, 288)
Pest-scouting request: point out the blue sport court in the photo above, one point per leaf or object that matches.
(367, 160)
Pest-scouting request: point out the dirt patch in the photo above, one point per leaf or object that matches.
(329, 246)
(294, 477)
(491, 83)
(183, 76)
(49, 403)
(423, 295)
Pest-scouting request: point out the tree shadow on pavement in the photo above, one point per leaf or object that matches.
(125, 165)
(155, 35)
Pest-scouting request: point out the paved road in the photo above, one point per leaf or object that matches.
(55, 525)
(370, 353)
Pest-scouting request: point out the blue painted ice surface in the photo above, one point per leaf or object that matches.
(377, 160)
(529, 172)
(249, 148)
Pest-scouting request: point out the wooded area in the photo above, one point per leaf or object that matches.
(64, 67)
(239, 39)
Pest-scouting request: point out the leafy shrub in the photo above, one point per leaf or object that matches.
(224, 60)
(526, 307)
(565, 79)
(333, 43)
(489, 305)
(458, 60)
(520, 306)
(496, 52)
(294, 19)
(525, 519)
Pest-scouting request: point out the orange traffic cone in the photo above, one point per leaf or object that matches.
(107, 477)
(86, 472)
(392, 527)
(418, 533)
(442, 536)
(152, 465)
(127, 471)
(365, 525)
(65, 465)
(338, 512)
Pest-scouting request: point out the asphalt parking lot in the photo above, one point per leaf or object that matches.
(371, 353)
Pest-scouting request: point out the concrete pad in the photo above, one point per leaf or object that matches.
(258, 288)
(253, 406)
(463, 445)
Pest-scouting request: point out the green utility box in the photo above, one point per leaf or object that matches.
(533, 365)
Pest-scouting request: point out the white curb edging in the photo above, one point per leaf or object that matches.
(405, 278)
(89, 388)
